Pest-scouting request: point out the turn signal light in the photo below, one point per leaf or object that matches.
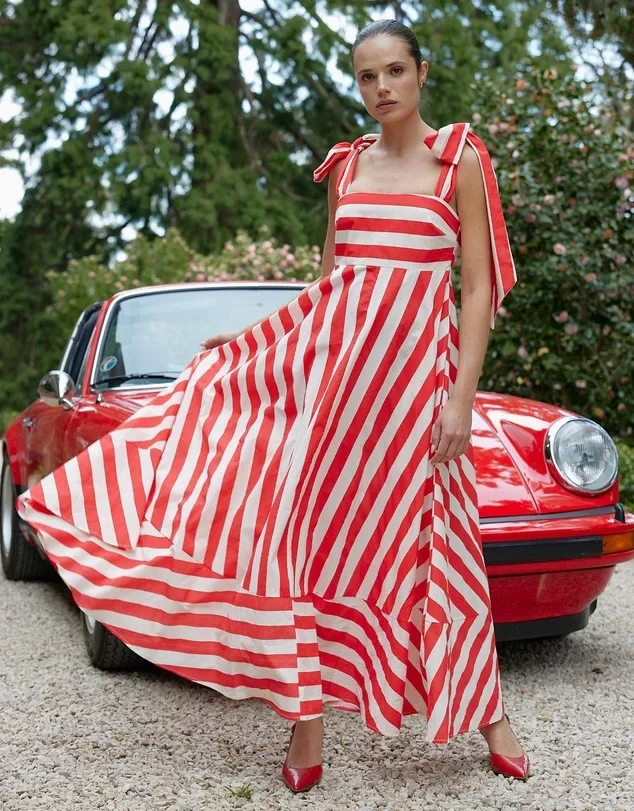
(619, 542)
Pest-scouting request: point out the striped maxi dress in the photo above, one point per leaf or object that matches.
(270, 524)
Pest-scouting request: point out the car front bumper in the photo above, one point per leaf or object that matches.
(546, 573)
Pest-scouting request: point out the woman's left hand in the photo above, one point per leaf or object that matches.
(452, 430)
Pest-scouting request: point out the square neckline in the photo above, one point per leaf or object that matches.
(402, 194)
(354, 159)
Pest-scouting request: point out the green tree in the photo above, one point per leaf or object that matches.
(206, 117)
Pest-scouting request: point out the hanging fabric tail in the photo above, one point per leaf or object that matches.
(503, 274)
(447, 145)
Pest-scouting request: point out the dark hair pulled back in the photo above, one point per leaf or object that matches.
(395, 29)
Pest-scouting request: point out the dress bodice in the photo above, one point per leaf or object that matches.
(417, 231)
(411, 231)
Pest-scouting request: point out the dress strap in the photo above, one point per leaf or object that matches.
(447, 145)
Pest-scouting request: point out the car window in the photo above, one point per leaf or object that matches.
(159, 333)
(75, 351)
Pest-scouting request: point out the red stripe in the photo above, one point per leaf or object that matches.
(394, 255)
(390, 226)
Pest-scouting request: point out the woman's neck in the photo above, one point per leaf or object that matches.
(398, 139)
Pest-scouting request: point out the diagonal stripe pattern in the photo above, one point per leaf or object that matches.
(270, 524)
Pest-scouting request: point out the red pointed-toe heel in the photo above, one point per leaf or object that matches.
(517, 767)
(300, 779)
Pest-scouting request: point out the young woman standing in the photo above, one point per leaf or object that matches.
(295, 518)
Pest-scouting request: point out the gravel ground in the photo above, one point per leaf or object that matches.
(73, 737)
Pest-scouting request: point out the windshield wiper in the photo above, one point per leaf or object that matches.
(138, 376)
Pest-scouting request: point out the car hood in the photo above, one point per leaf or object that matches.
(508, 435)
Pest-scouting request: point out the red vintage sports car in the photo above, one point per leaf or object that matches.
(551, 522)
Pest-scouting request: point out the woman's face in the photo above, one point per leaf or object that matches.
(385, 72)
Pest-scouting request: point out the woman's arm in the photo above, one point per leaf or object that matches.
(475, 276)
(452, 431)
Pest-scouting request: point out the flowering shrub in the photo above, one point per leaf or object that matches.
(170, 259)
(566, 174)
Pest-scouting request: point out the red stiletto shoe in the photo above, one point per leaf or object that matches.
(517, 767)
(300, 779)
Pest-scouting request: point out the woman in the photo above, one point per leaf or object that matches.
(295, 518)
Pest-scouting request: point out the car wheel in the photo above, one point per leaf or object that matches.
(106, 651)
(20, 559)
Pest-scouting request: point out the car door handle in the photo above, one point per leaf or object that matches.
(28, 422)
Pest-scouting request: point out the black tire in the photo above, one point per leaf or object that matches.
(21, 560)
(105, 650)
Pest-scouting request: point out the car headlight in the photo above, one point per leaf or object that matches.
(582, 455)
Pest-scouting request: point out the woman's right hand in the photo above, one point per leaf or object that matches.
(218, 340)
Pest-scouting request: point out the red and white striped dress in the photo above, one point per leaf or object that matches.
(270, 525)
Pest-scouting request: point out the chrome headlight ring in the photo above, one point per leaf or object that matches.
(581, 455)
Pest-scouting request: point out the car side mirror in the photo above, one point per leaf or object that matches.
(56, 388)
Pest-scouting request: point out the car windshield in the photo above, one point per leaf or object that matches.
(152, 337)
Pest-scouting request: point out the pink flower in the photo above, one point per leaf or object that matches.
(522, 352)
(530, 218)
(620, 407)
(260, 277)
(493, 128)
(620, 259)
(517, 200)
(580, 384)
(520, 84)
(560, 249)
(571, 329)
(200, 277)
(267, 244)
(563, 316)
(516, 153)
(477, 118)
(621, 182)
(591, 277)
(277, 274)
(584, 260)
(549, 199)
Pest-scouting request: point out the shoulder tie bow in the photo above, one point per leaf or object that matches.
(447, 145)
